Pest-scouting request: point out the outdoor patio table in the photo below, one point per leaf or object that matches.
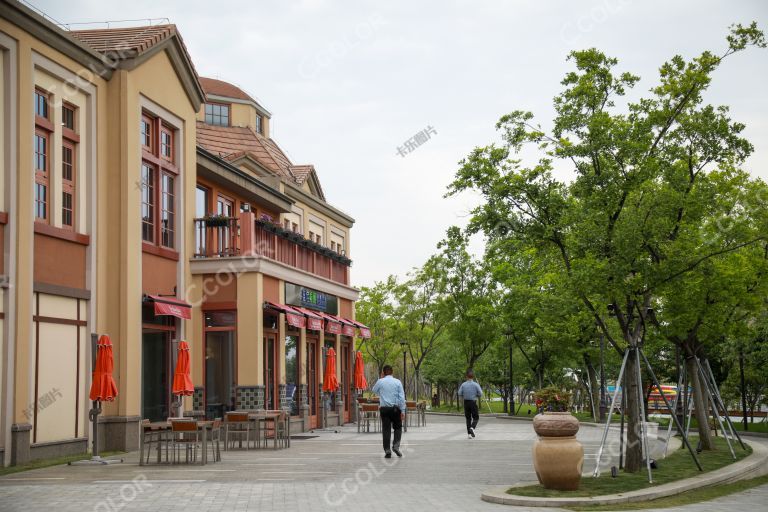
(164, 428)
(261, 418)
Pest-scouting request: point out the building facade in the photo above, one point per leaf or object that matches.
(142, 201)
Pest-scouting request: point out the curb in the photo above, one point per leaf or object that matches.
(756, 464)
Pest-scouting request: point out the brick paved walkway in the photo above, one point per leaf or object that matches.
(441, 470)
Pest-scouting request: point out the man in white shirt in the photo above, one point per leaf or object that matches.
(391, 408)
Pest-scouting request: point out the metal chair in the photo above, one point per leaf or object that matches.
(423, 412)
(368, 413)
(237, 425)
(150, 437)
(186, 434)
(273, 426)
(215, 440)
(411, 414)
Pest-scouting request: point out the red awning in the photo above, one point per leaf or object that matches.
(314, 320)
(347, 327)
(365, 332)
(171, 306)
(332, 324)
(293, 317)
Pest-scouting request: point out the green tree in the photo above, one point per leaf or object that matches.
(423, 314)
(648, 175)
(376, 308)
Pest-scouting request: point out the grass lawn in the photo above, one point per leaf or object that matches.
(44, 463)
(686, 498)
(498, 408)
(486, 407)
(676, 466)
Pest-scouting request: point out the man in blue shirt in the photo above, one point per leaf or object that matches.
(470, 391)
(391, 409)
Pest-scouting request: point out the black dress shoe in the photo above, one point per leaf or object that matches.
(397, 452)
(387, 455)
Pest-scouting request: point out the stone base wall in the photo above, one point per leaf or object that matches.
(116, 434)
(119, 433)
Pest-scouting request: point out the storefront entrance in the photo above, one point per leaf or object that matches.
(312, 382)
(220, 362)
(270, 355)
(157, 360)
(346, 378)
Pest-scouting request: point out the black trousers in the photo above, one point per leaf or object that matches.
(390, 418)
(471, 413)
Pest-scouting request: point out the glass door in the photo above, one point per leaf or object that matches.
(312, 384)
(225, 207)
(271, 393)
(220, 370)
(219, 373)
(155, 375)
(346, 364)
(201, 210)
(292, 372)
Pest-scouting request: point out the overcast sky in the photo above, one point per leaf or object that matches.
(348, 82)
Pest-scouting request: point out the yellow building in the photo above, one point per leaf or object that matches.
(143, 202)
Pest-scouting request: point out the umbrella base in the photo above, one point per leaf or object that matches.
(96, 460)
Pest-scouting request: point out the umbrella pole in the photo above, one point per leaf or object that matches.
(94, 416)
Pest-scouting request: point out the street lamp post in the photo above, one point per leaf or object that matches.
(404, 344)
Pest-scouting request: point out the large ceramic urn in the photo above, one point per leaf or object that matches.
(557, 456)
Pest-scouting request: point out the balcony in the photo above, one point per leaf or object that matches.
(227, 237)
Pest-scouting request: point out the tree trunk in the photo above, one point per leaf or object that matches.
(633, 455)
(700, 404)
(594, 388)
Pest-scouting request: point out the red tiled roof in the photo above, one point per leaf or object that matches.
(303, 172)
(232, 142)
(132, 40)
(222, 88)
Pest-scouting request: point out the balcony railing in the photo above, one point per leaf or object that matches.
(224, 237)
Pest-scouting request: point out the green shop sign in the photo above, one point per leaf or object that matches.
(296, 295)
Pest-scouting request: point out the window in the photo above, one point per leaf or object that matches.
(201, 201)
(259, 124)
(319, 240)
(166, 144)
(287, 224)
(295, 227)
(217, 114)
(311, 236)
(42, 176)
(41, 104)
(147, 203)
(168, 213)
(146, 133)
(68, 117)
(333, 246)
(68, 174)
(158, 182)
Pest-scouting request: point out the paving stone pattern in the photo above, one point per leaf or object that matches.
(442, 470)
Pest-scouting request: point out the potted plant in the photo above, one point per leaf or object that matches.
(215, 221)
(557, 456)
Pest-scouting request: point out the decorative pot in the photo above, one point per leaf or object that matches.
(557, 456)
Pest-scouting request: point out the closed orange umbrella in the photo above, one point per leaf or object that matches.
(330, 382)
(360, 382)
(103, 388)
(182, 382)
